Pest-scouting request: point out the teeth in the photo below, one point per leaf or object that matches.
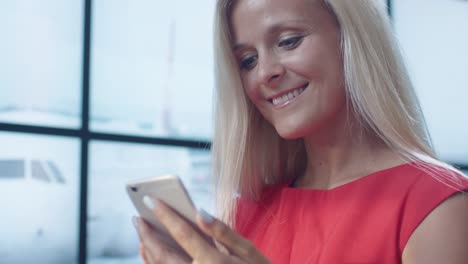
(287, 97)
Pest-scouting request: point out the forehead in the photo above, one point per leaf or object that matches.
(248, 13)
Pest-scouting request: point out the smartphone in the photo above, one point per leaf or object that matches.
(171, 190)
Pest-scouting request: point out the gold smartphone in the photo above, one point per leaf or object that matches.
(169, 189)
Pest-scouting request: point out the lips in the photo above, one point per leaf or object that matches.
(287, 97)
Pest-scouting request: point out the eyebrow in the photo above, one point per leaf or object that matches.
(274, 29)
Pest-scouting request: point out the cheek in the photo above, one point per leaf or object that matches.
(259, 103)
(252, 93)
(257, 100)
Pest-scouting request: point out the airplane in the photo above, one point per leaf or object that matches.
(37, 210)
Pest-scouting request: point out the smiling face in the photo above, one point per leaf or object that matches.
(290, 62)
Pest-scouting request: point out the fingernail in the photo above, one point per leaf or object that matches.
(149, 202)
(135, 221)
(206, 217)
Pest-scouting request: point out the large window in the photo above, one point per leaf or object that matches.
(434, 44)
(96, 93)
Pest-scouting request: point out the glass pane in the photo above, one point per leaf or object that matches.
(41, 51)
(111, 235)
(437, 57)
(39, 213)
(152, 67)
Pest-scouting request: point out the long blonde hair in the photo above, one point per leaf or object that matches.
(248, 153)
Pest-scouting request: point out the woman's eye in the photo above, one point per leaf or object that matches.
(248, 63)
(290, 43)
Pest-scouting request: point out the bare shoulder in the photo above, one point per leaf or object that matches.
(443, 235)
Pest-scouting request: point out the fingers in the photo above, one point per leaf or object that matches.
(153, 248)
(236, 244)
(143, 254)
(187, 237)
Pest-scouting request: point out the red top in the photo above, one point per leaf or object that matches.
(368, 220)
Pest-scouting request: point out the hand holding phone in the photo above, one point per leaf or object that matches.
(170, 190)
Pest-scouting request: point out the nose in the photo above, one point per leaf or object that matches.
(270, 70)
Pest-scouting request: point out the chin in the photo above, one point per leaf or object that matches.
(291, 132)
(295, 129)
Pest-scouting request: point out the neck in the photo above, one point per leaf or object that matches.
(343, 153)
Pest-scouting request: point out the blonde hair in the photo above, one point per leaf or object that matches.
(248, 153)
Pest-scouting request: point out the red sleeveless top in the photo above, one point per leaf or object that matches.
(367, 221)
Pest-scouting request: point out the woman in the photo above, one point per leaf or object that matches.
(320, 146)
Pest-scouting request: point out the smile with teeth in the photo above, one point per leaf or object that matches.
(286, 98)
